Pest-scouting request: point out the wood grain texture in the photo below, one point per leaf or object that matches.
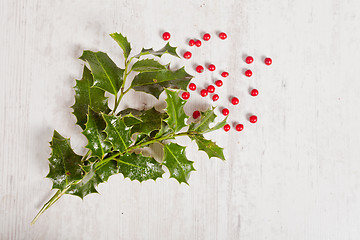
(293, 175)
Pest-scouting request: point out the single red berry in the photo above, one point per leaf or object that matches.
(248, 73)
(215, 97)
(227, 127)
(253, 119)
(191, 42)
(254, 92)
(211, 89)
(198, 43)
(224, 74)
(239, 127)
(212, 67)
(196, 114)
(204, 93)
(187, 55)
(249, 59)
(219, 83)
(192, 86)
(166, 36)
(225, 111)
(199, 69)
(206, 37)
(268, 61)
(185, 95)
(222, 36)
(235, 101)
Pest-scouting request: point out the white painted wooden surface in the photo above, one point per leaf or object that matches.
(294, 175)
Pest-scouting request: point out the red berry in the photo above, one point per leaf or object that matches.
(253, 119)
(212, 67)
(206, 37)
(204, 93)
(248, 73)
(196, 114)
(185, 95)
(249, 59)
(227, 127)
(235, 101)
(268, 61)
(166, 36)
(215, 97)
(222, 36)
(192, 86)
(211, 89)
(219, 83)
(225, 111)
(199, 69)
(239, 127)
(187, 55)
(254, 92)
(198, 43)
(191, 42)
(224, 74)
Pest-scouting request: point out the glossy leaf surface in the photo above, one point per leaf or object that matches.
(177, 163)
(166, 49)
(175, 110)
(86, 96)
(118, 134)
(148, 65)
(208, 146)
(107, 75)
(123, 43)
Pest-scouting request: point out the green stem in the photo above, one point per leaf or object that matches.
(52, 200)
(106, 160)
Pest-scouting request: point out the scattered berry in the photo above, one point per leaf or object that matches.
(187, 55)
(185, 95)
(211, 67)
(198, 43)
(227, 127)
(204, 93)
(219, 83)
(224, 74)
(253, 119)
(268, 61)
(235, 101)
(254, 92)
(211, 89)
(199, 69)
(239, 127)
(249, 59)
(191, 42)
(225, 111)
(206, 37)
(166, 36)
(196, 114)
(215, 97)
(248, 73)
(222, 36)
(192, 86)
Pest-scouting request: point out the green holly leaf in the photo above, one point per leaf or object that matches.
(139, 167)
(106, 170)
(94, 132)
(123, 43)
(175, 110)
(64, 164)
(118, 134)
(165, 130)
(177, 163)
(150, 121)
(166, 49)
(202, 126)
(148, 65)
(155, 82)
(86, 96)
(208, 146)
(87, 185)
(130, 116)
(107, 76)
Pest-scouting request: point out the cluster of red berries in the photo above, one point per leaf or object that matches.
(218, 83)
